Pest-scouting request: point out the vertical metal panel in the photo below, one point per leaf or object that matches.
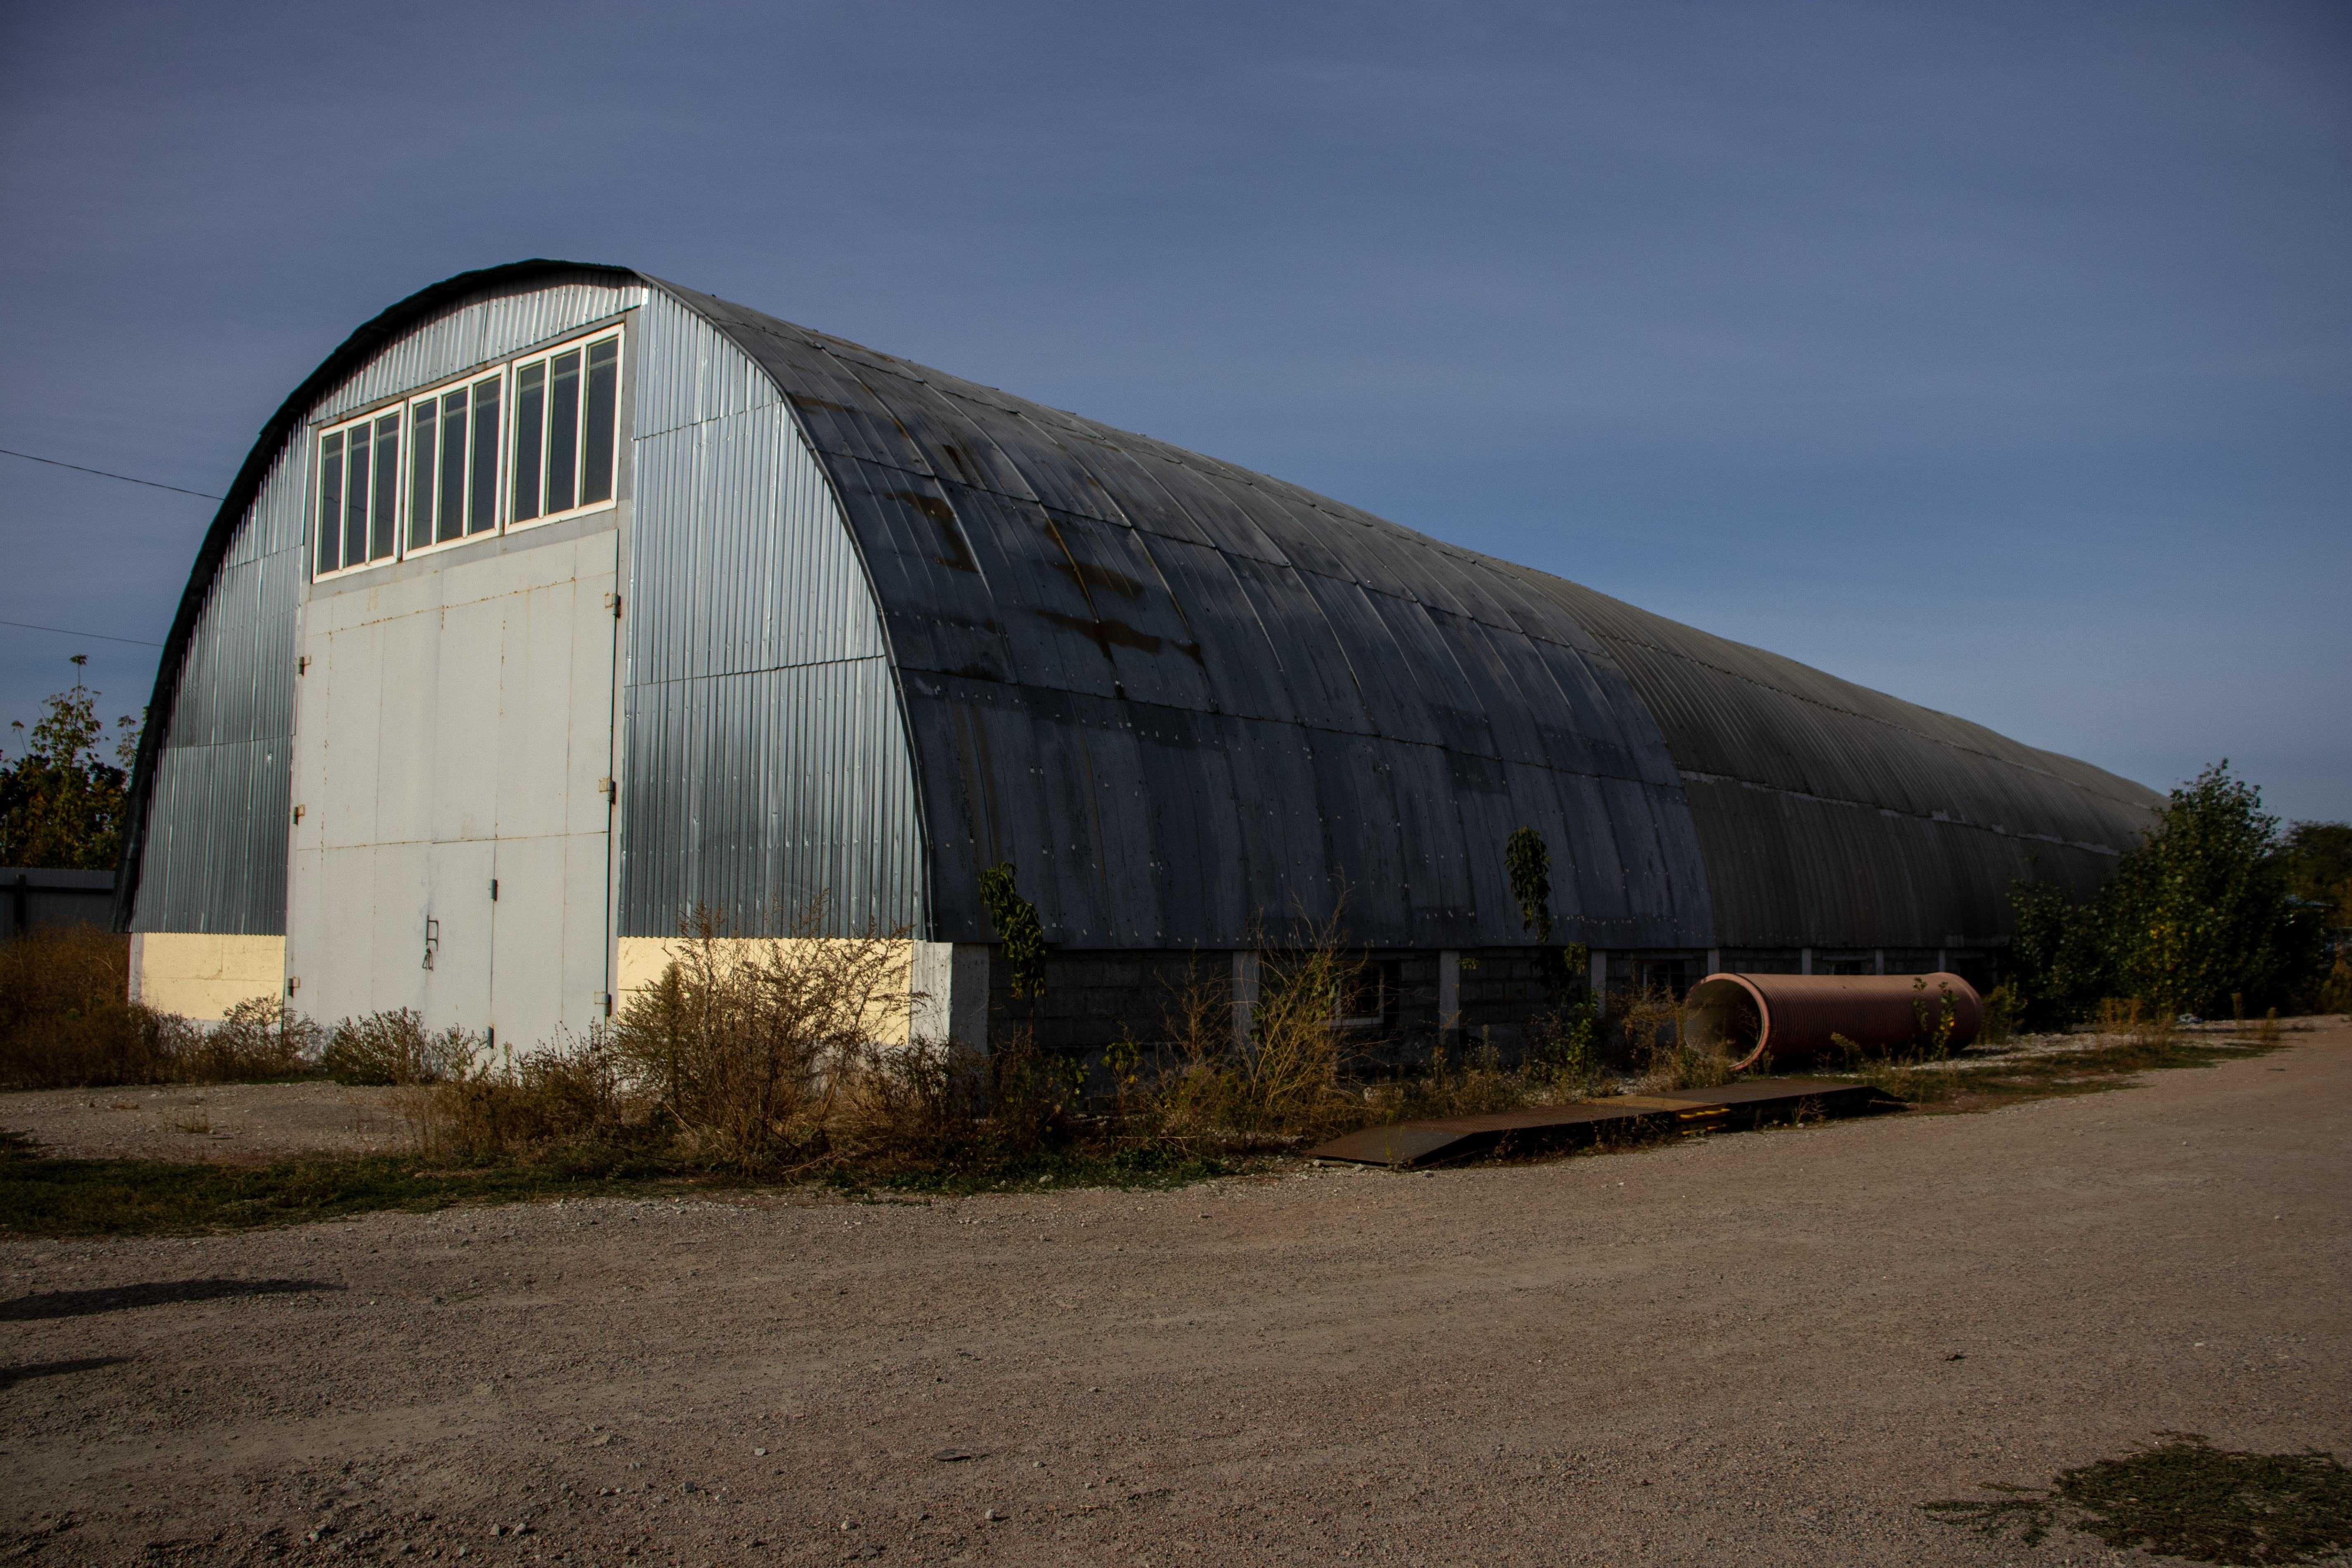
(220, 804)
(218, 817)
(475, 334)
(766, 763)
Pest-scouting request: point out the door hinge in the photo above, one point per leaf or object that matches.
(610, 789)
(302, 665)
(494, 889)
(613, 602)
(298, 816)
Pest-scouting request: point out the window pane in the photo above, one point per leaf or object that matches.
(423, 445)
(482, 507)
(356, 496)
(604, 391)
(530, 413)
(385, 540)
(563, 430)
(453, 467)
(331, 505)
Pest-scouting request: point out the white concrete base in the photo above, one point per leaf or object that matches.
(201, 975)
(950, 986)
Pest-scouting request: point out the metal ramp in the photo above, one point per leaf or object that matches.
(1453, 1140)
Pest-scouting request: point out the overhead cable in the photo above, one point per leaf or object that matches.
(64, 632)
(105, 474)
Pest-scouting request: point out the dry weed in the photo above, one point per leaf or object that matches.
(261, 1039)
(66, 1015)
(746, 1046)
(395, 1047)
(573, 1092)
(1653, 1026)
(1282, 1079)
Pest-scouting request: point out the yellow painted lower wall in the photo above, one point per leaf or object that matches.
(641, 960)
(201, 975)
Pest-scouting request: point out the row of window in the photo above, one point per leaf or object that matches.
(557, 439)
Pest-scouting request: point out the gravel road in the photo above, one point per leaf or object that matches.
(1757, 1348)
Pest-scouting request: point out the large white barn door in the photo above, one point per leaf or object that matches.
(550, 927)
(453, 751)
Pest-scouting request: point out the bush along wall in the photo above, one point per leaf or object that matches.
(2201, 917)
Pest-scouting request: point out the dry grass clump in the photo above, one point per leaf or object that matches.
(2137, 1022)
(747, 1049)
(259, 1039)
(66, 1015)
(765, 1056)
(573, 1094)
(1652, 1026)
(395, 1047)
(67, 1020)
(1277, 1079)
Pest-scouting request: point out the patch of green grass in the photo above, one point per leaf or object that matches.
(45, 1197)
(2182, 1498)
(1981, 1086)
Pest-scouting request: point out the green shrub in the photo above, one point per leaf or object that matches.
(2199, 918)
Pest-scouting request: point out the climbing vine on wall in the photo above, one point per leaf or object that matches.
(1529, 860)
(1017, 927)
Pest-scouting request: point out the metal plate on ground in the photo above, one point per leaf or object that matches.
(1455, 1139)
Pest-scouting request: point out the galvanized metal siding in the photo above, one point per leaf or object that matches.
(218, 803)
(1192, 704)
(220, 806)
(765, 760)
(1835, 815)
(477, 332)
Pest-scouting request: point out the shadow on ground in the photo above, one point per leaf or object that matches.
(159, 1293)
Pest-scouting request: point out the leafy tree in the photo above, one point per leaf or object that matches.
(2058, 965)
(2204, 912)
(2319, 867)
(61, 804)
(2200, 917)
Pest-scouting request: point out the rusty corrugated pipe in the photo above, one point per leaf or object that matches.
(1792, 1016)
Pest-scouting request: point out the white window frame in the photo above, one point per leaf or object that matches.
(504, 376)
(504, 373)
(367, 419)
(546, 356)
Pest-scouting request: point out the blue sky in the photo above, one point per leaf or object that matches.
(1999, 356)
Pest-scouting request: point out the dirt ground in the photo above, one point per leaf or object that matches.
(239, 1123)
(1764, 1347)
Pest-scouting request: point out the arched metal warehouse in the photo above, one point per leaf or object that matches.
(561, 599)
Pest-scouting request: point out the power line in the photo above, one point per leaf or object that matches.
(63, 632)
(103, 474)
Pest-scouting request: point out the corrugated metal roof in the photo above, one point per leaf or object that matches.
(1188, 701)
(1694, 790)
